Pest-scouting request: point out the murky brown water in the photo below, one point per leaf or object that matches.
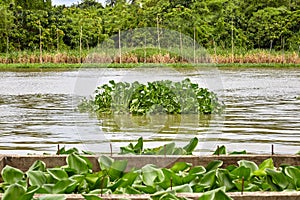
(38, 111)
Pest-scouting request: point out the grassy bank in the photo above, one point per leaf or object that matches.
(62, 66)
(149, 57)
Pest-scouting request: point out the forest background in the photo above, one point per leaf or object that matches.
(37, 31)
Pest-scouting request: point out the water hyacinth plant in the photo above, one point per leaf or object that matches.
(163, 96)
(213, 180)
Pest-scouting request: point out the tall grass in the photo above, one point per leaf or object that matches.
(151, 55)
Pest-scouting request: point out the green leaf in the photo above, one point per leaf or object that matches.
(38, 166)
(37, 178)
(224, 179)
(238, 152)
(294, 174)
(116, 169)
(248, 164)
(214, 165)
(62, 186)
(180, 166)
(145, 189)
(186, 188)
(208, 180)
(189, 148)
(216, 194)
(53, 197)
(14, 192)
(91, 197)
(220, 151)
(267, 164)
(105, 162)
(11, 175)
(197, 170)
(278, 178)
(58, 173)
(77, 163)
(151, 174)
(167, 149)
(241, 172)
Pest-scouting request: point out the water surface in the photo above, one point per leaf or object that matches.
(38, 111)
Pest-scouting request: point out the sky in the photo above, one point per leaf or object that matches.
(70, 2)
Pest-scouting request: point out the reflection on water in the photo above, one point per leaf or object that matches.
(38, 111)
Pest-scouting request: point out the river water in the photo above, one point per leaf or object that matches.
(38, 111)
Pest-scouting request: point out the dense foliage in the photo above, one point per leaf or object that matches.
(218, 24)
(162, 183)
(154, 97)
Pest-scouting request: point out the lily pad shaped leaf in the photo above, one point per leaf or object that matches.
(11, 175)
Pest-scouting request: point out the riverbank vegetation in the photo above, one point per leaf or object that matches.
(212, 180)
(232, 31)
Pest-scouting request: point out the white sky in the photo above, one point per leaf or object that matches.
(70, 2)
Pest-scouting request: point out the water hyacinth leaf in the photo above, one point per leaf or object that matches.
(180, 166)
(278, 178)
(248, 164)
(116, 169)
(216, 194)
(238, 152)
(14, 192)
(38, 165)
(220, 151)
(11, 175)
(247, 185)
(100, 191)
(105, 162)
(167, 149)
(67, 152)
(146, 189)
(58, 173)
(197, 170)
(170, 195)
(151, 174)
(224, 179)
(53, 197)
(129, 178)
(30, 192)
(294, 174)
(131, 190)
(208, 180)
(267, 164)
(179, 151)
(91, 197)
(214, 165)
(77, 163)
(240, 172)
(190, 147)
(186, 188)
(170, 176)
(61, 186)
(37, 178)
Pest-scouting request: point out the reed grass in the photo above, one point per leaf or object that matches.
(137, 56)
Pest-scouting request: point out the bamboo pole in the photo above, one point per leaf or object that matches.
(232, 42)
(120, 47)
(194, 44)
(158, 38)
(41, 50)
(80, 43)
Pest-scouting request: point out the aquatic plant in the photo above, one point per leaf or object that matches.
(154, 97)
(211, 180)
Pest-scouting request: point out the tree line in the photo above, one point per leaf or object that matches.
(250, 24)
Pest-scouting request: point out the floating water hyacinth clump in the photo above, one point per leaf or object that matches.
(163, 96)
